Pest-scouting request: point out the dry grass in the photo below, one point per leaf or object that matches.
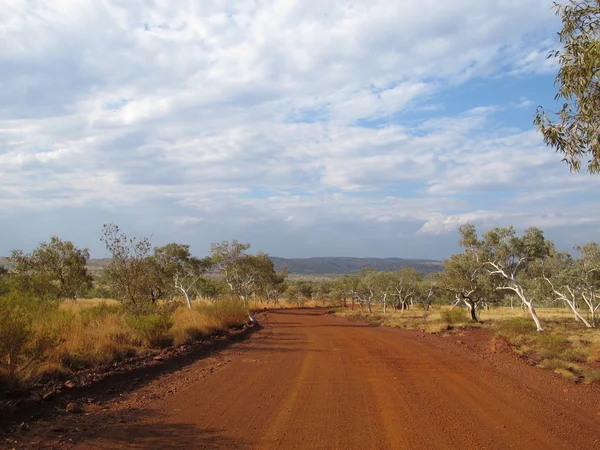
(89, 333)
(435, 320)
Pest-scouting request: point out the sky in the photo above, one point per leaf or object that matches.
(305, 127)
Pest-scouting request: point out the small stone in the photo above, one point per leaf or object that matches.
(74, 408)
(158, 358)
(69, 384)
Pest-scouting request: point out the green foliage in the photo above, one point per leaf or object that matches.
(454, 316)
(151, 329)
(54, 271)
(134, 275)
(100, 311)
(550, 345)
(24, 335)
(515, 331)
(244, 273)
(574, 133)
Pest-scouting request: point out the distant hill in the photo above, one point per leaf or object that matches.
(342, 265)
(320, 266)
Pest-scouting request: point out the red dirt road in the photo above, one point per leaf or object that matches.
(310, 381)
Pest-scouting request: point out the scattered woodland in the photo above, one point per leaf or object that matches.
(56, 317)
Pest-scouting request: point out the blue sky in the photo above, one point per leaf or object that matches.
(307, 128)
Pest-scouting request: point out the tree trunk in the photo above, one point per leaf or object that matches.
(525, 302)
(187, 298)
(472, 309)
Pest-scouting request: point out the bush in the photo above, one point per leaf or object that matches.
(152, 330)
(454, 316)
(24, 335)
(550, 345)
(15, 334)
(516, 331)
(202, 320)
(100, 312)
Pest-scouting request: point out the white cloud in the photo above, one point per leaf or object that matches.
(238, 112)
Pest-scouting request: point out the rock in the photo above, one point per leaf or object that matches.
(157, 358)
(74, 408)
(69, 384)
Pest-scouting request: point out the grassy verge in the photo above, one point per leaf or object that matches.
(39, 343)
(565, 347)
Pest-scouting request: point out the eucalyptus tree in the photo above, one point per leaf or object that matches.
(366, 288)
(244, 273)
(561, 274)
(274, 285)
(210, 288)
(426, 289)
(576, 281)
(180, 269)
(589, 261)
(574, 131)
(405, 284)
(132, 273)
(323, 290)
(383, 283)
(55, 270)
(508, 258)
(467, 280)
(347, 286)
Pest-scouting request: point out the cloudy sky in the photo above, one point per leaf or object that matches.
(306, 127)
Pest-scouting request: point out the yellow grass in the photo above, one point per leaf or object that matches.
(92, 332)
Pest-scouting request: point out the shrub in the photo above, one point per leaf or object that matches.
(152, 329)
(454, 316)
(550, 345)
(100, 312)
(591, 375)
(202, 320)
(15, 335)
(516, 331)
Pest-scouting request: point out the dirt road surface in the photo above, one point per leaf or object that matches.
(308, 380)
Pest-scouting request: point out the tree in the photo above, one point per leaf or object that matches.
(134, 275)
(425, 292)
(466, 278)
(210, 288)
(366, 288)
(560, 273)
(275, 285)
(574, 133)
(244, 273)
(55, 270)
(576, 280)
(509, 258)
(4, 287)
(589, 269)
(179, 267)
(404, 287)
(383, 283)
(323, 290)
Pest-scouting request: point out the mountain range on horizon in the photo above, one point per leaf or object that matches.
(319, 265)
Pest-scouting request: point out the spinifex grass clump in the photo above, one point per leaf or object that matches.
(39, 342)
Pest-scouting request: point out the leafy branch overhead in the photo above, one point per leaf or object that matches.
(573, 130)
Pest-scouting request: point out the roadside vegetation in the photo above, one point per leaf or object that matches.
(542, 302)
